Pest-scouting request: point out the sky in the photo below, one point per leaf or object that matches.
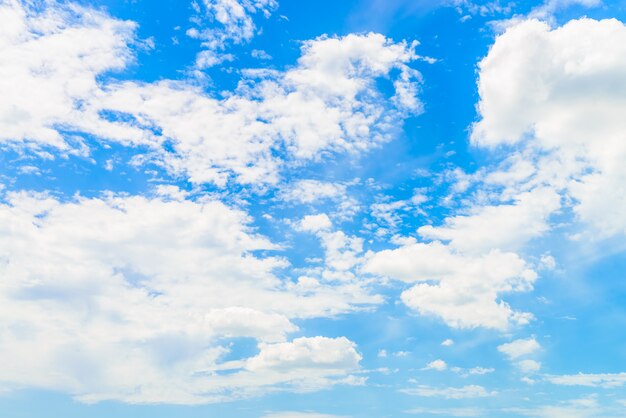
(312, 209)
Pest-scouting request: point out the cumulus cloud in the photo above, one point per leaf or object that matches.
(294, 414)
(438, 365)
(604, 380)
(465, 392)
(550, 101)
(138, 299)
(327, 103)
(311, 191)
(550, 7)
(221, 23)
(463, 290)
(448, 412)
(555, 95)
(520, 348)
(50, 61)
(504, 226)
(528, 366)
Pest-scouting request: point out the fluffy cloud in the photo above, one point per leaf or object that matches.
(604, 380)
(48, 68)
(310, 191)
(505, 226)
(465, 392)
(220, 23)
(552, 100)
(448, 412)
(328, 102)
(528, 366)
(460, 289)
(520, 348)
(438, 365)
(549, 7)
(138, 299)
(557, 95)
(293, 414)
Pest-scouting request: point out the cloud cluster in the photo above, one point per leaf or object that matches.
(463, 290)
(554, 97)
(465, 392)
(329, 102)
(221, 23)
(141, 299)
(49, 64)
(551, 99)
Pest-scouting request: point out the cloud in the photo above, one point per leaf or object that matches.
(603, 380)
(315, 223)
(555, 99)
(50, 62)
(140, 299)
(221, 23)
(576, 408)
(520, 348)
(463, 290)
(293, 414)
(504, 226)
(311, 191)
(528, 366)
(550, 7)
(449, 412)
(327, 103)
(465, 392)
(438, 365)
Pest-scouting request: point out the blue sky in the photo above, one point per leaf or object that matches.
(291, 209)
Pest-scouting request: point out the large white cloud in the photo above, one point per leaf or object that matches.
(559, 94)
(553, 101)
(463, 290)
(49, 62)
(329, 102)
(136, 299)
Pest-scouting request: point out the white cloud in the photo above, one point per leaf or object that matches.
(315, 223)
(604, 380)
(465, 392)
(293, 414)
(559, 98)
(463, 290)
(575, 408)
(447, 342)
(528, 366)
(221, 23)
(327, 103)
(310, 191)
(136, 299)
(343, 253)
(438, 365)
(520, 348)
(550, 7)
(449, 412)
(505, 226)
(49, 64)
(480, 370)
